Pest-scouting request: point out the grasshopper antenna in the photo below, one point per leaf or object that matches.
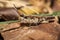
(17, 11)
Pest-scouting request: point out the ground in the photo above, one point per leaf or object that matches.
(48, 31)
